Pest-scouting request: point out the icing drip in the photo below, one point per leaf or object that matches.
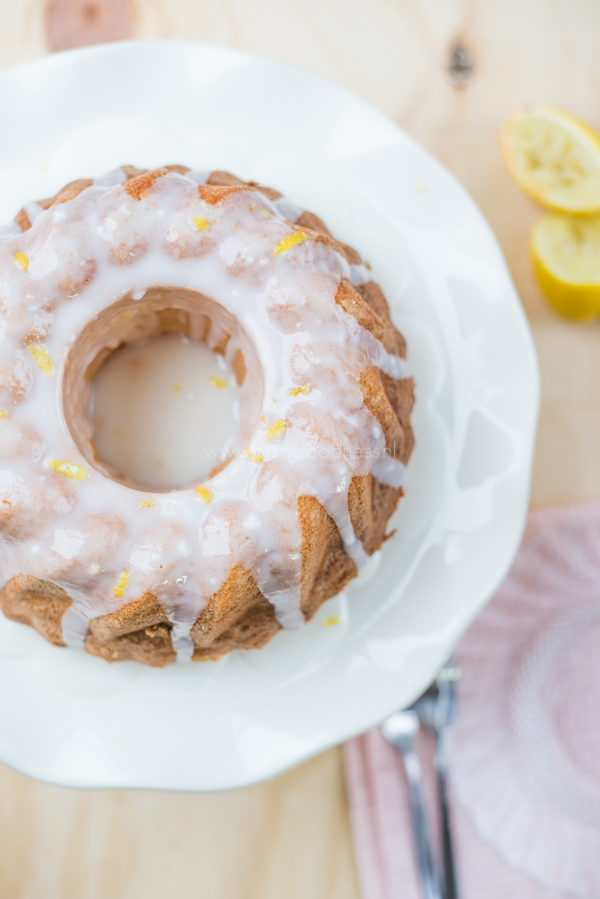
(33, 210)
(198, 177)
(360, 274)
(312, 435)
(389, 471)
(116, 176)
(287, 210)
(9, 230)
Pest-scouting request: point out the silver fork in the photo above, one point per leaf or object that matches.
(436, 709)
(400, 730)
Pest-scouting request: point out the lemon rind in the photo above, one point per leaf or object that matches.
(585, 135)
(572, 299)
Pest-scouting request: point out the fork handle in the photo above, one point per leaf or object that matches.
(450, 886)
(421, 835)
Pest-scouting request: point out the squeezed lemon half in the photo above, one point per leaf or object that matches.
(554, 158)
(566, 255)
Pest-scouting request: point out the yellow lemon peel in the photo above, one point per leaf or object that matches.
(331, 622)
(119, 588)
(200, 223)
(40, 354)
(146, 504)
(266, 212)
(250, 208)
(276, 430)
(254, 457)
(22, 261)
(553, 157)
(566, 256)
(296, 391)
(204, 494)
(217, 382)
(68, 469)
(177, 388)
(3, 413)
(290, 241)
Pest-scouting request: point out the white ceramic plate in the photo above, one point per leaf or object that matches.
(72, 719)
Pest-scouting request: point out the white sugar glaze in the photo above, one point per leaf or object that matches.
(85, 255)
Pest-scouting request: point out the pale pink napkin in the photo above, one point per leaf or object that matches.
(515, 837)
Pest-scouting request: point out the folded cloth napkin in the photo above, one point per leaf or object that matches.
(525, 750)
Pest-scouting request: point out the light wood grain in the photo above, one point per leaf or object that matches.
(291, 837)
(286, 838)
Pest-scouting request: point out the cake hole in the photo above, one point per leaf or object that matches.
(161, 393)
(165, 411)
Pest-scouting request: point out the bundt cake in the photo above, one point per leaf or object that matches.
(91, 559)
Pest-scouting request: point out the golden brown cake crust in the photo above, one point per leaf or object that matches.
(41, 604)
(140, 631)
(238, 615)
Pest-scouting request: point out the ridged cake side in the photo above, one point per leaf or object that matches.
(238, 615)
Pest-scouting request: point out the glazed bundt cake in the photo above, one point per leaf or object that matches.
(92, 559)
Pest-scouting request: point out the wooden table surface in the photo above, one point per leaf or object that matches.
(448, 72)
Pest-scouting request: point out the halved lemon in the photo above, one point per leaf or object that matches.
(554, 158)
(566, 254)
